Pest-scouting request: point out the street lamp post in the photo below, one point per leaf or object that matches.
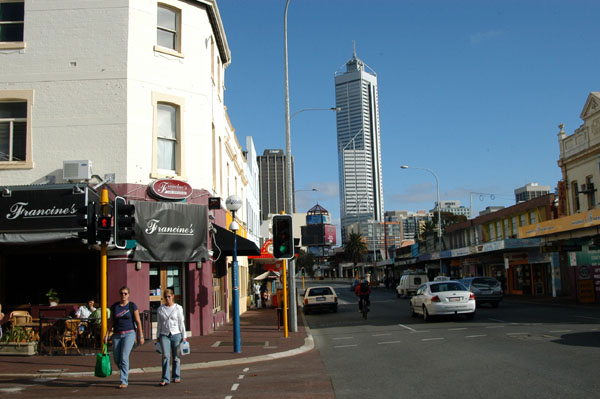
(233, 203)
(439, 206)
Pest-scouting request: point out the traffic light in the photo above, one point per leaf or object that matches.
(283, 237)
(124, 222)
(303, 272)
(86, 218)
(104, 229)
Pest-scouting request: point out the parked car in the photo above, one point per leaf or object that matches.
(486, 289)
(442, 298)
(441, 278)
(320, 298)
(409, 282)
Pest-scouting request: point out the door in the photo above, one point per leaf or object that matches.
(163, 276)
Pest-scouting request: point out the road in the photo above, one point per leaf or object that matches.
(516, 350)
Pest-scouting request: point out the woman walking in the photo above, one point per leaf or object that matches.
(171, 333)
(125, 317)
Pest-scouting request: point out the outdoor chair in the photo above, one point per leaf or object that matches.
(68, 339)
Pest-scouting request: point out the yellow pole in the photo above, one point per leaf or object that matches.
(303, 283)
(103, 261)
(285, 301)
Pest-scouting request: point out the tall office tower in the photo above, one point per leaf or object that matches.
(271, 169)
(359, 152)
(531, 191)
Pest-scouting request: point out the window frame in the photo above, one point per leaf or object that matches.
(177, 51)
(15, 44)
(20, 96)
(179, 103)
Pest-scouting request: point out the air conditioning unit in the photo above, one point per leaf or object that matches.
(77, 170)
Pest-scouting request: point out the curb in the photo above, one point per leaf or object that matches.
(309, 344)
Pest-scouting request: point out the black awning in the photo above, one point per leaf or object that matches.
(223, 241)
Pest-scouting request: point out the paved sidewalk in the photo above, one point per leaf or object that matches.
(261, 341)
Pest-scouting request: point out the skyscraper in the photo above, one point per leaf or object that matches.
(359, 152)
(271, 166)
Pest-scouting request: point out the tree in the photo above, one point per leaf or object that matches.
(355, 248)
(305, 260)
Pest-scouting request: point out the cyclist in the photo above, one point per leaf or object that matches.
(363, 290)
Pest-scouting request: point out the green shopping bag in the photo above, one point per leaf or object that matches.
(103, 367)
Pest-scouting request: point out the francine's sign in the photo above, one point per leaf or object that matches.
(170, 189)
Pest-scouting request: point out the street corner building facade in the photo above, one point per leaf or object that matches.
(127, 96)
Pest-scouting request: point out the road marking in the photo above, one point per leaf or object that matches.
(344, 346)
(524, 333)
(216, 344)
(560, 331)
(431, 339)
(457, 329)
(343, 338)
(476, 336)
(234, 387)
(245, 370)
(495, 326)
(499, 321)
(389, 342)
(241, 377)
(408, 328)
(381, 335)
(228, 397)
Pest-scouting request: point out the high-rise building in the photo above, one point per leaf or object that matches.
(530, 191)
(358, 139)
(453, 207)
(271, 167)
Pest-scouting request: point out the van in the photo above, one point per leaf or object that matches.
(409, 283)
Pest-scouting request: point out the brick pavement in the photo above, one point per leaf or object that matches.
(260, 337)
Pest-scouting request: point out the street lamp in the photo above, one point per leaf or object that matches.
(233, 203)
(439, 206)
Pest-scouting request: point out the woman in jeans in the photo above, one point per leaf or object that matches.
(170, 332)
(124, 315)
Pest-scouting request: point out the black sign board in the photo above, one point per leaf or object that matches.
(39, 210)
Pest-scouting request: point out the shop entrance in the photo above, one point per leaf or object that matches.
(163, 276)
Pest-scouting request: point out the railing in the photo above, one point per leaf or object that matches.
(68, 336)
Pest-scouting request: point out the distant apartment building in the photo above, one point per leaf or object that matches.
(490, 209)
(530, 191)
(272, 171)
(378, 236)
(453, 207)
(412, 222)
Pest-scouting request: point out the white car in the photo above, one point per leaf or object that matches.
(442, 298)
(319, 298)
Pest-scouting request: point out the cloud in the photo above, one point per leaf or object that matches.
(480, 37)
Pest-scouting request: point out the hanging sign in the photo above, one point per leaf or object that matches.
(170, 189)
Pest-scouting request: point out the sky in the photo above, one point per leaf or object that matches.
(473, 90)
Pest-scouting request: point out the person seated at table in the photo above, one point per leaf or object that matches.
(84, 311)
(96, 315)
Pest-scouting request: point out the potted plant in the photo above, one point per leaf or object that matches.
(18, 341)
(52, 297)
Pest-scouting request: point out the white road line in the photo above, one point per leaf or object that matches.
(517, 333)
(389, 342)
(560, 331)
(245, 370)
(495, 326)
(234, 387)
(241, 377)
(216, 344)
(457, 329)
(408, 328)
(476, 336)
(432, 339)
(381, 335)
(344, 346)
(228, 397)
(343, 338)
(499, 321)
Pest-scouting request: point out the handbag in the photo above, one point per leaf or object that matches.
(103, 367)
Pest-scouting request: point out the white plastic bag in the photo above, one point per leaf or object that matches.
(184, 348)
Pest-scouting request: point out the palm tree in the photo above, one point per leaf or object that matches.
(355, 248)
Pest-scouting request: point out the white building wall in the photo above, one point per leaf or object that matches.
(252, 192)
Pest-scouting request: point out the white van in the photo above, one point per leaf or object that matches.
(410, 282)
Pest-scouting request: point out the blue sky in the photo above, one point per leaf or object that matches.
(473, 90)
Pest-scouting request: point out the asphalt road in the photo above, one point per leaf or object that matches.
(517, 350)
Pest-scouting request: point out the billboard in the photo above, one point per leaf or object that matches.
(318, 219)
(312, 234)
(330, 234)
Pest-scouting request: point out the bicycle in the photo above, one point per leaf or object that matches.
(364, 307)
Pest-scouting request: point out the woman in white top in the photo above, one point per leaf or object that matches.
(170, 332)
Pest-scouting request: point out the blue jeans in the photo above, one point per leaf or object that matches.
(122, 346)
(170, 346)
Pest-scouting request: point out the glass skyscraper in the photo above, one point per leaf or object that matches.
(359, 144)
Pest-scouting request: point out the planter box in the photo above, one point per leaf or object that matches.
(18, 349)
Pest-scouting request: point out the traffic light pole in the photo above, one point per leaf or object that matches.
(285, 300)
(103, 265)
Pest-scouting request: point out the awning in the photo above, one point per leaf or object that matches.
(223, 241)
(269, 275)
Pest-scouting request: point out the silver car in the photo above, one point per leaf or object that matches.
(486, 289)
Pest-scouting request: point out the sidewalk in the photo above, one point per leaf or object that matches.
(261, 341)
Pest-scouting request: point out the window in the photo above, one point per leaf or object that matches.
(492, 232)
(506, 229)
(515, 226)
(12, 17)
(591, 192)
(15, 129)
(168, 136)
(532, 217)
(522, 220)
(499, 230)
(168, 29)
(575, 194)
